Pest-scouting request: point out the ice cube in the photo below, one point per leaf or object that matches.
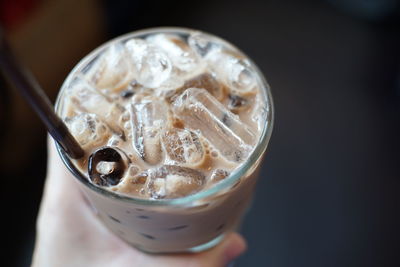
(114, 141)
(111, 71)
(260, 115)
(223, 129)
(87, 99)
(105, 167)
(205, 81)
(152, 65)
(218, 175)
(208, 82)
(147, 120)
(88, 129)
(181, 55)
(133, 183)
(170, 86)
(170, 181)
(183, 146)
(202, 44)
(234, 70)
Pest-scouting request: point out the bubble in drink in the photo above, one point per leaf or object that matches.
(201, 111)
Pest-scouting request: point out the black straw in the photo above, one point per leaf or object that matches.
(30, 89)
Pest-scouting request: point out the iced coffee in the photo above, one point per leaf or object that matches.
(174, 124)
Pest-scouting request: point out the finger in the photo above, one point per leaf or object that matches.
(60, 183)
(57, 172)
(228, 250)
(233, 247)
(61, 196)
(61, 188)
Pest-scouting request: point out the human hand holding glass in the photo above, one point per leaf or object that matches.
(70, 234)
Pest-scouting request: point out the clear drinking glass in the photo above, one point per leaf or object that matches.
(188, 224)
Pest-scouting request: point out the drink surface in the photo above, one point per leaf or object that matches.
(165, 115)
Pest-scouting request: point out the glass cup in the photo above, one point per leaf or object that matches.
(188, 224)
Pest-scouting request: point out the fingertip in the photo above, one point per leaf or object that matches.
(235, 245)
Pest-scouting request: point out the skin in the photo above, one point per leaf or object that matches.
(69, 233)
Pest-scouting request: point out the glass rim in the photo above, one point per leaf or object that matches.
(255, 155)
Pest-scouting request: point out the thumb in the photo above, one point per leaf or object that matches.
(228, 250)
(231, 247)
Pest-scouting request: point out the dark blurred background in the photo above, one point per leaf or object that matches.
(328, 194)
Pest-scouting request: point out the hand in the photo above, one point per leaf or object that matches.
(69, 233)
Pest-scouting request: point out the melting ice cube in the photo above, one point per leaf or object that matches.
(88, 129)
(90, 100)
(202, 44)
(147, 120)
(223, 129)
(183, 146)
(181, 55)
(234, 70)
(170, 181)
(152, 65)
(87, 98)
(218, 175)
(111, 71)
(205, 81)
(208, 82)
(260, 113)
